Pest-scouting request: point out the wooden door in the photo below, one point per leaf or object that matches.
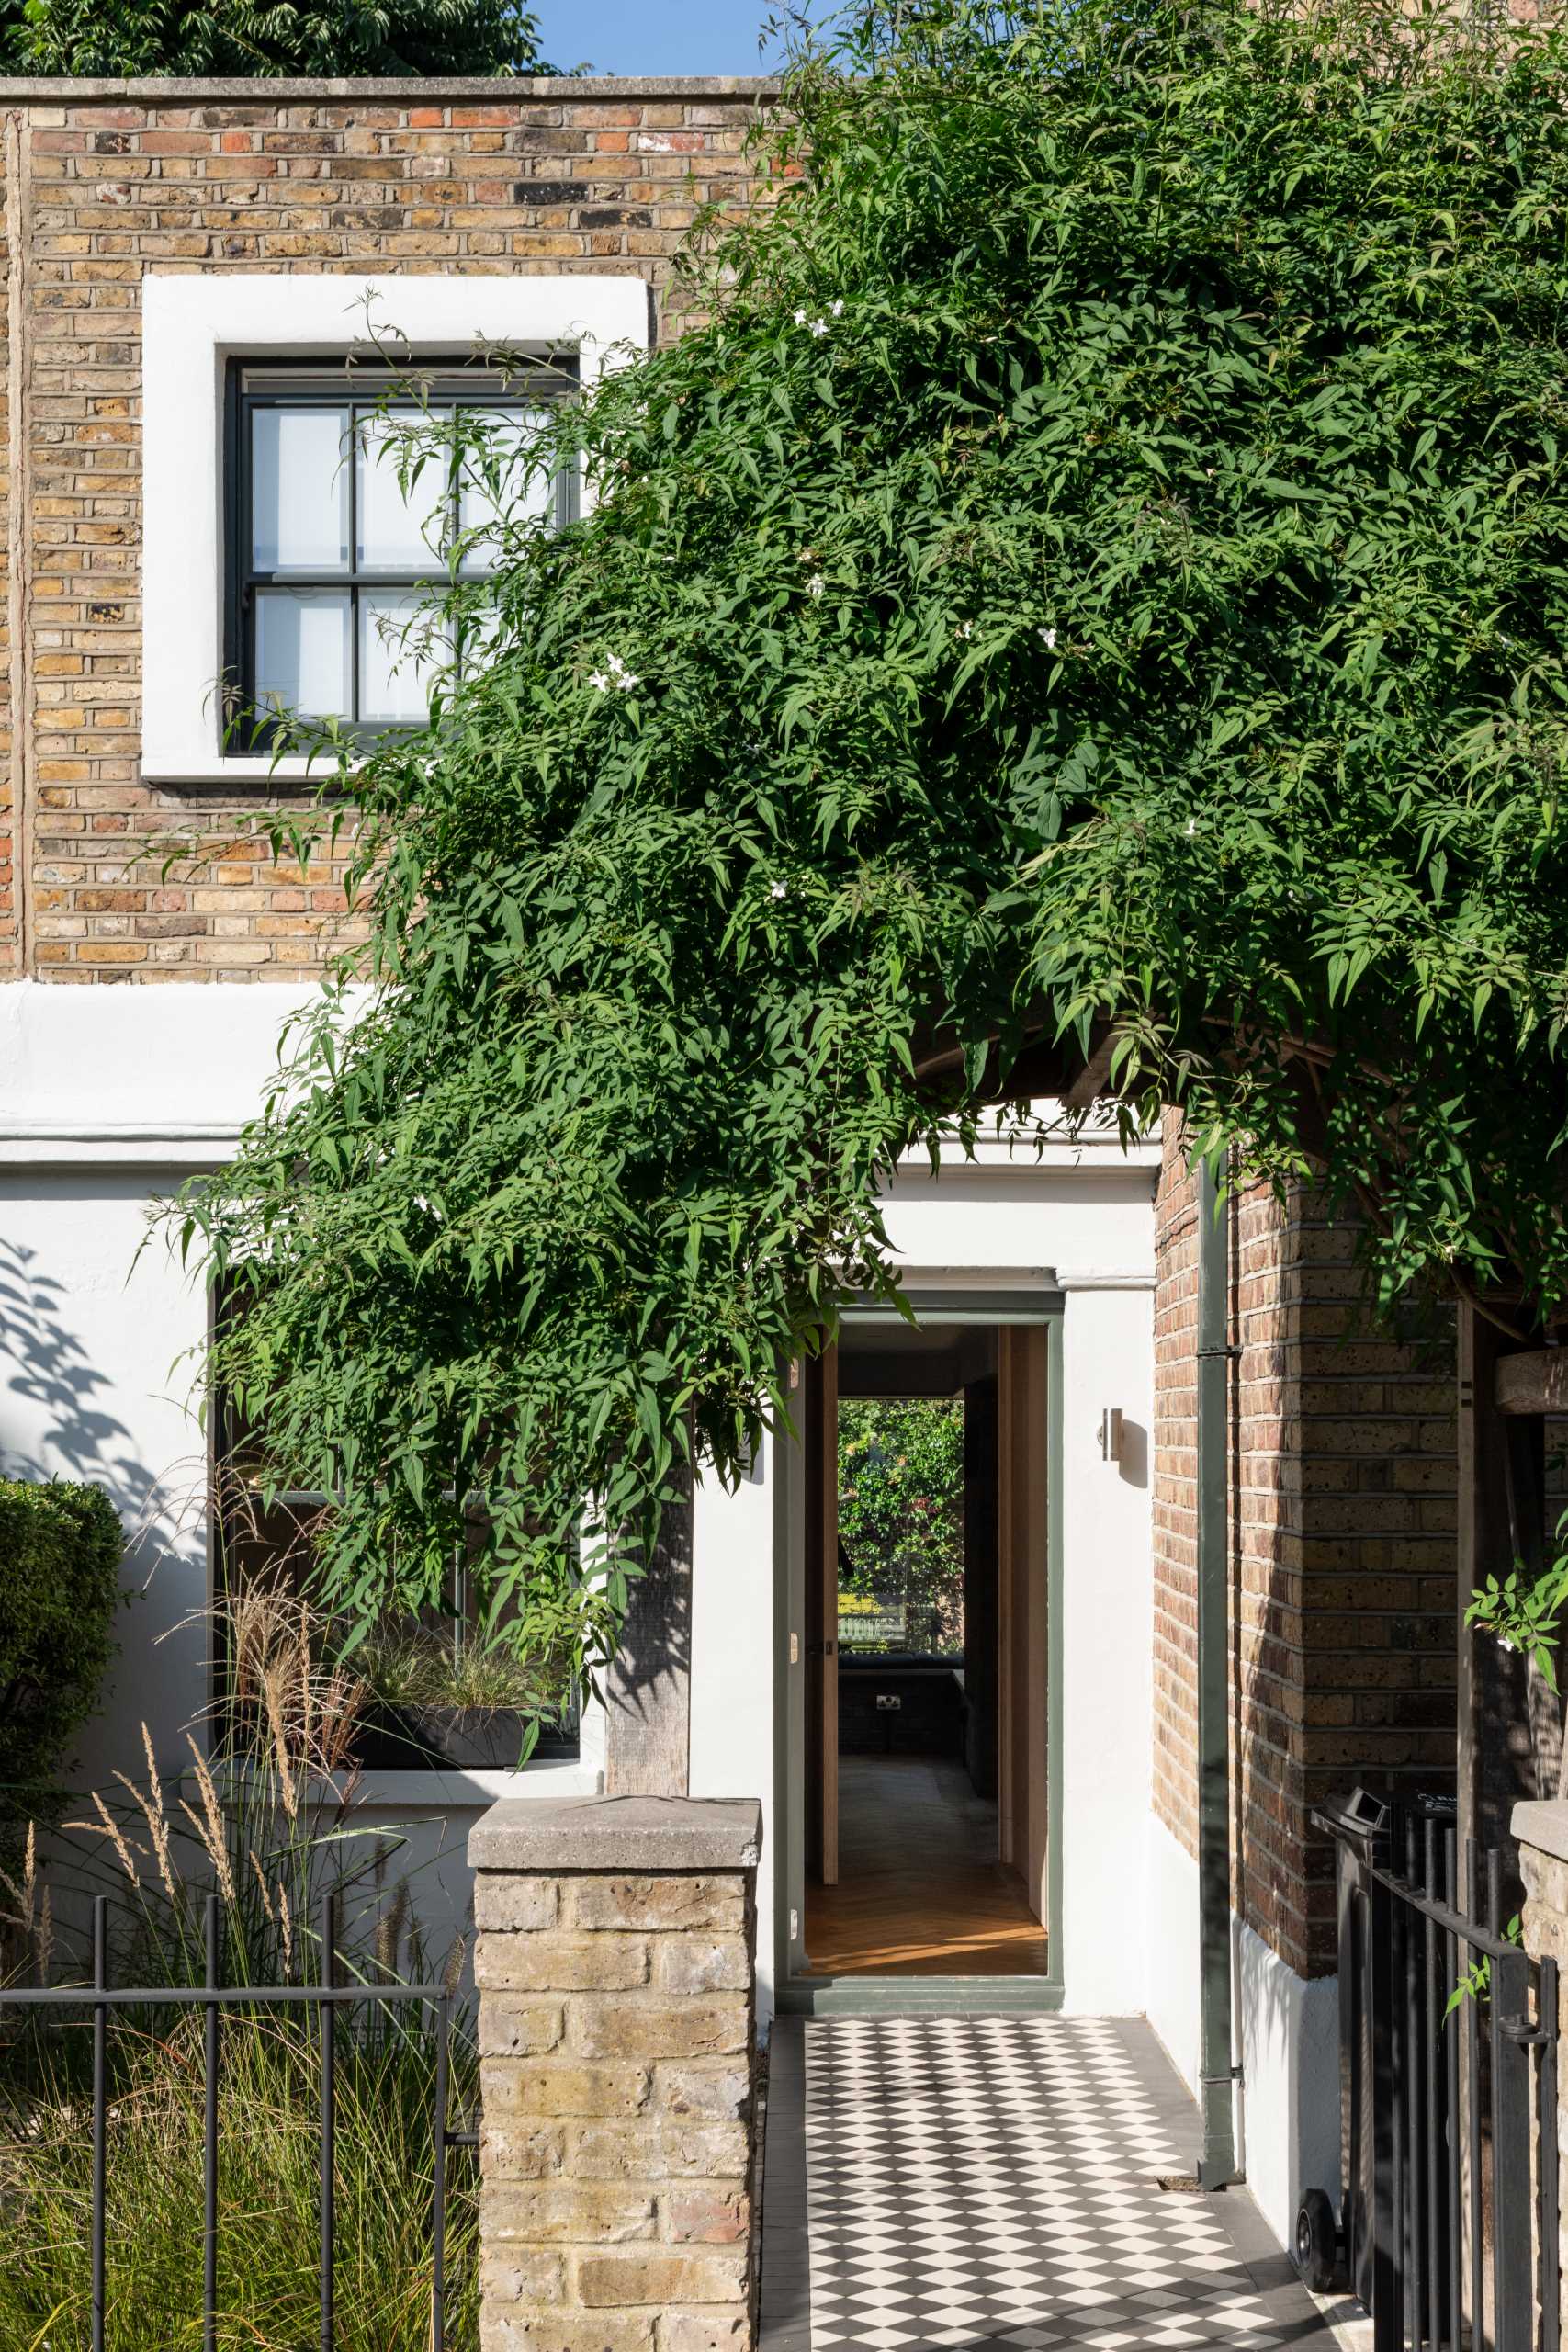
(822, 1616)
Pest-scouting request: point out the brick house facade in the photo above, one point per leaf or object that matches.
(104, 184)
(1344, 1570)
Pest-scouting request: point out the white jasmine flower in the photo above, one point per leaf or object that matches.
(1049, 635)
(598, 682)
(815, 585)
(615, 675)
(800, 318)
(839, 308)
(965, 628)
(777, 889)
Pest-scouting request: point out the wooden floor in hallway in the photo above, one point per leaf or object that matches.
(921, 1892)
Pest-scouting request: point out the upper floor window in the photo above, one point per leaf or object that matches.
(336, 536)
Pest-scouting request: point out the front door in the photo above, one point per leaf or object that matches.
(922, 1846)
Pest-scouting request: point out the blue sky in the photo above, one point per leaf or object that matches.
(654, 36)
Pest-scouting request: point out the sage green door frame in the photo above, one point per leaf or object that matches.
(950, 1996)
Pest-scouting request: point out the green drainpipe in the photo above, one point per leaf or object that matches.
(1217, 2072)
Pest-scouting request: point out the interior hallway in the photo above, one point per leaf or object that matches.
(921, 1892)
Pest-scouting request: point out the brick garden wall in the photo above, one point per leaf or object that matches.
(105, 183)
(617, 2042)
(1343, 1573)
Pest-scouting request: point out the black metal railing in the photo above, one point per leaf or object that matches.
(324, 2000)
(1450, 2212)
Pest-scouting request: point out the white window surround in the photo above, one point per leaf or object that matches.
(191, 327)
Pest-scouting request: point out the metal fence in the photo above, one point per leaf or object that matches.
(324, 2001)
(1450, 2102)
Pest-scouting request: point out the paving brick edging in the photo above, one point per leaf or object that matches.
(616, 1964)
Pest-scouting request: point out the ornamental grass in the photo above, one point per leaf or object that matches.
(261, 1829)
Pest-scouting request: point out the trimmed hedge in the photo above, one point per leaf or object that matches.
(60, 1552)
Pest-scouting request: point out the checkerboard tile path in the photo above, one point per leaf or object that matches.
(975, 2181)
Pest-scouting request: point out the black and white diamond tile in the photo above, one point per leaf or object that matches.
(973, 2180)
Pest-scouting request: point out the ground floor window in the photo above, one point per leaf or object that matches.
(416, 1694)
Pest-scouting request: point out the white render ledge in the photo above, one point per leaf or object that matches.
(419, 1796)
(1542, 1822)
(142, 1077)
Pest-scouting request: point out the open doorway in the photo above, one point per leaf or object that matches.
(926, 1588)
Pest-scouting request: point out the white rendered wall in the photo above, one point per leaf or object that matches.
(133, 1077)
(733, 1550)
(413, 1829)
(1289, 2048)
(1170, 1910)
(1107, 1690)
(91, 1389)
(1083, 1210)
(1286, 2031)
(109, 1099)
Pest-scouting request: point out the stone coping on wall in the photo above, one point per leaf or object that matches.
(260, 90)
(1542, 1822)
(641, 1834)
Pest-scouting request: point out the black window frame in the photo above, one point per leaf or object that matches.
(366, 390)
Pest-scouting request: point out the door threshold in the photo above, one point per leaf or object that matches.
(952, 1996)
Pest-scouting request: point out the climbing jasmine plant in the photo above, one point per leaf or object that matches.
(1089, 598)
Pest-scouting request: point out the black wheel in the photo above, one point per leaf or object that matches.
(1317, 2242)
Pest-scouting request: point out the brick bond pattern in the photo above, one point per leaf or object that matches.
(541, 176)
(616, 2040)
(1344, 1590)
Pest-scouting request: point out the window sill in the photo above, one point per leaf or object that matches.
(251, 769)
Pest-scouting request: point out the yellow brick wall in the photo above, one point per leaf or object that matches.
(104, 184)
